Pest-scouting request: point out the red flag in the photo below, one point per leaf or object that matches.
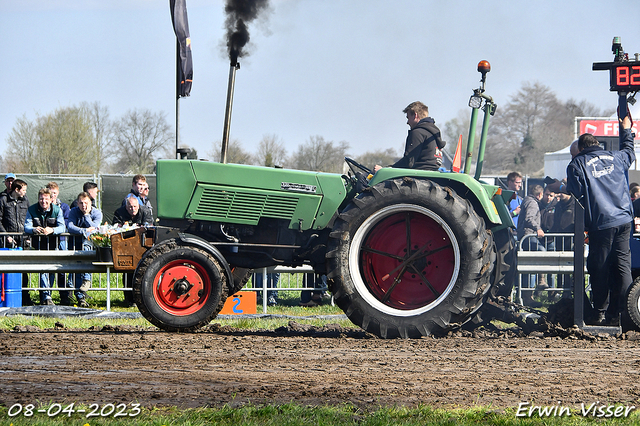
(181, 28)
(457, 159)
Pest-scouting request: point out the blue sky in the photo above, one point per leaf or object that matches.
(343, 70)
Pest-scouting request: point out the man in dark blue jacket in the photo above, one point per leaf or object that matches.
(423, 145)
(598, 178)
(83, 221)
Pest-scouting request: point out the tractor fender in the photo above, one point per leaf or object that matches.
(466, 186)
(193, 240)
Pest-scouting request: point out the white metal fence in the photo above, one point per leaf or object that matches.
(555, 261)
(59, 258)
(62, 261)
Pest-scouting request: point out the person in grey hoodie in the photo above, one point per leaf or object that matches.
(529, 224)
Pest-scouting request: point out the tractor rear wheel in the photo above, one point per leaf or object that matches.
(409, 258)
(504, 273)
(179, 288)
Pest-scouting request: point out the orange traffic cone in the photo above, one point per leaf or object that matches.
(457, 159)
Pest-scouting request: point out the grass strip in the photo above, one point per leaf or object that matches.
(294, 414)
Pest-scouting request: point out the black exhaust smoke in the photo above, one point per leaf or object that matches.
(239, 14)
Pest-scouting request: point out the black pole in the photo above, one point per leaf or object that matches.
(177, 96)
(623, 111)
(578, 266)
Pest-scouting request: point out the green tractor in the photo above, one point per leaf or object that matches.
(408, 253)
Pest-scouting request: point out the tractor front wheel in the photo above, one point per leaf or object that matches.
(179, 288)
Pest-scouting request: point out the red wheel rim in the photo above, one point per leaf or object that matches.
(407, 260)
(181, 287)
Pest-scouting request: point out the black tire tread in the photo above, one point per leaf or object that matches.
(240, 279)
(631, 316)
(504, 273)
(480, 257)
(147, 260)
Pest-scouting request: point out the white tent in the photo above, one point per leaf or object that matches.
(555, 163)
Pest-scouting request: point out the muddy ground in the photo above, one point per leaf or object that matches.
(307, 365)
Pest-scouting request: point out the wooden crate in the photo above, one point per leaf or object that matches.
(129, 246)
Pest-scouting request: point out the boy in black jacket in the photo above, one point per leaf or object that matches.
(423, 145)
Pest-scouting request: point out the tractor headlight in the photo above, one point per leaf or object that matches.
(475, 102)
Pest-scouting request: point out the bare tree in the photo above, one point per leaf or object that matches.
(66, 142)
(383, 157)
(235, 153)
(139, 137)
(460, 126)
(532, 123)
(60, 142)
(319, 155)
(102, 132)
(23, 146)
(585, 108)
(271, 152)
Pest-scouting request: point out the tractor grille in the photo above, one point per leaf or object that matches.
(224, 205)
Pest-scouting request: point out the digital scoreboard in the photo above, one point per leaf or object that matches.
(625, 77)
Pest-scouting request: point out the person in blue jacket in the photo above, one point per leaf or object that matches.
(54, 188)
(83, 221)
(514, 183)
(598, 178)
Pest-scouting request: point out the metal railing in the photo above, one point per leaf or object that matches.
(288, 272)
(59, 257)
(556, 259)
(53, 254)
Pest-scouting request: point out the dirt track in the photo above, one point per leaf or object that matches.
(331, 365)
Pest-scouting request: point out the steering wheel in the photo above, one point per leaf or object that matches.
(355, 166)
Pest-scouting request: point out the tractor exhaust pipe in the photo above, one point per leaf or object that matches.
(227, 115)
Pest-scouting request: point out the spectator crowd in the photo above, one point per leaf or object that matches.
(542, 211)
(40, 225)
(598, 179)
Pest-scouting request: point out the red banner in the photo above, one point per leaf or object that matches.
(604, 128)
